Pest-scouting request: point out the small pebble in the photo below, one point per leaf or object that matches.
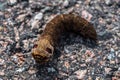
(1, 79)
(12, 2)
(66, 50)
(21, 17)
(118, 34)
(112, 50)
(51, 69)
(107, 70)
(38, 16)
(1, 28)
(3, 6)
(108, 2)
(109, 21)
(31, 71)
(15, 58)
(80, 74)
(86, 15)
(2, 62)
(20, 70)
(111, 56)
(65, 3)
(2, 73)
(35, 24)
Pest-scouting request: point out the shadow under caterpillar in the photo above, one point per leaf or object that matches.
(44, 48)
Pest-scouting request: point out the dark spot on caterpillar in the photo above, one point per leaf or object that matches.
(35, 46)
(51, 35)
(48, 50)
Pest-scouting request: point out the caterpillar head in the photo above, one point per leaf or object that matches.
(42, 51)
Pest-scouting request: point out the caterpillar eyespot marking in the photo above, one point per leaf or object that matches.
(48, 40)
(35, 46)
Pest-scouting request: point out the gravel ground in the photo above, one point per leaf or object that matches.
(22, 21)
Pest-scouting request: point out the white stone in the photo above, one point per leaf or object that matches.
(39, 16)
(11, 2)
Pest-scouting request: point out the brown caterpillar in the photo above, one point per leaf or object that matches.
(44, 48)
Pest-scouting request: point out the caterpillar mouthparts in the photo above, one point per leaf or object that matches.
(44, 48)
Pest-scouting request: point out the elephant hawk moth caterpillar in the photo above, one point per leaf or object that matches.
(43, 50)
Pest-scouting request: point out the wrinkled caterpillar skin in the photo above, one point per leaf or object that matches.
(44, 47)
